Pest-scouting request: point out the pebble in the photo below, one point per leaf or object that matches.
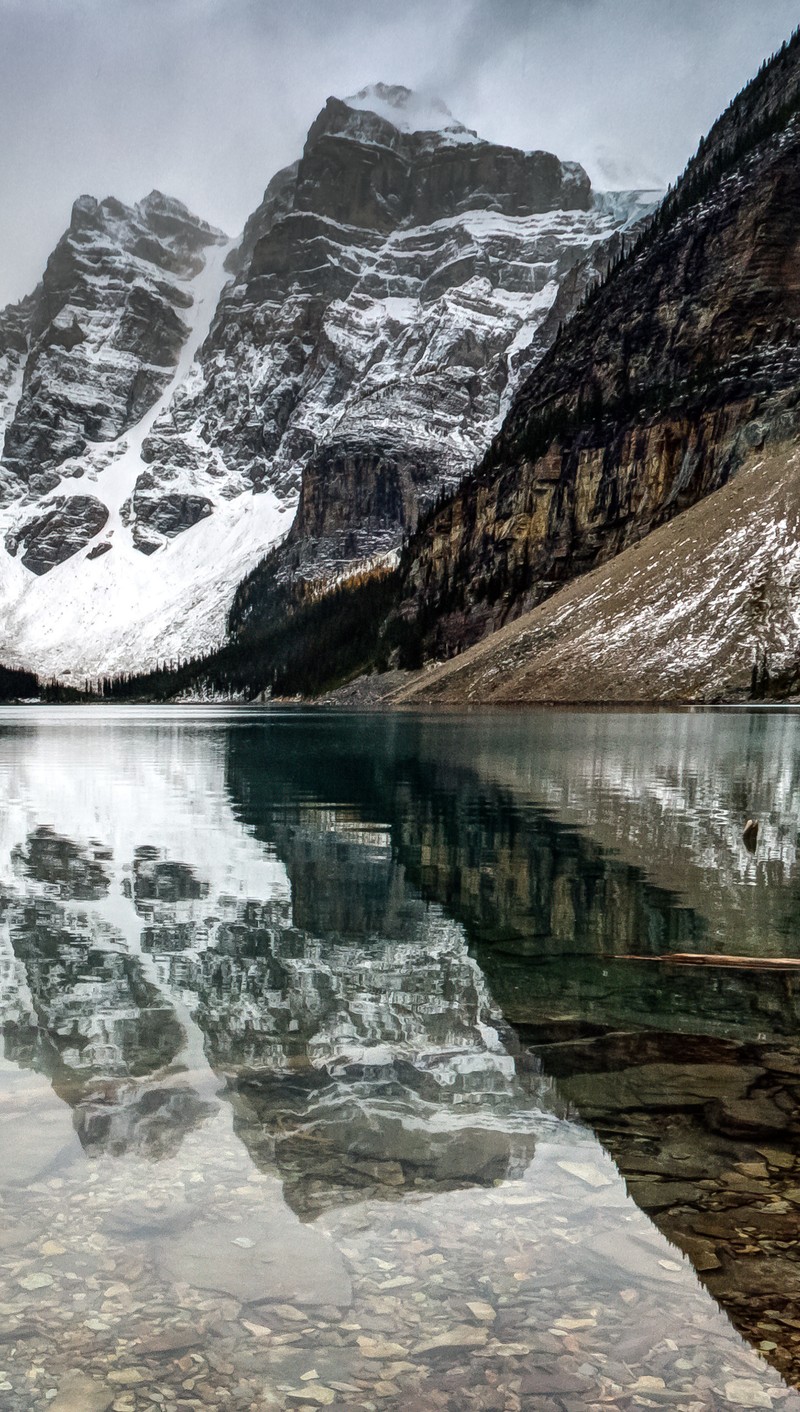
(127, 1377)
(79, 1393)
(314, 1393)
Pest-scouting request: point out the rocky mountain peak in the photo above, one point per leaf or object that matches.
(84, 212)
(170, 218)
(102, 335)
(158, 229)
(155, 202)
(372, 162)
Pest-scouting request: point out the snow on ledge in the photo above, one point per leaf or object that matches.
(410, 111)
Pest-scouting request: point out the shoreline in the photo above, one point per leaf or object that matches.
(385, 706)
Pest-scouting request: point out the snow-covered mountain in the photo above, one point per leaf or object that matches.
(170, 407)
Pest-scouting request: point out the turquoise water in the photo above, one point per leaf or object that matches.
(343, 1063)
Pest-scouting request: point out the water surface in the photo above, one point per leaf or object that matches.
(341, 1064)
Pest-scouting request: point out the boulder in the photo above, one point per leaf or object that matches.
(160, 517)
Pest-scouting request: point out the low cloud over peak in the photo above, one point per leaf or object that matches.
(206, 99)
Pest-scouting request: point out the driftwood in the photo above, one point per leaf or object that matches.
(700, 958)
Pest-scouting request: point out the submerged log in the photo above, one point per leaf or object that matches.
(750, 835)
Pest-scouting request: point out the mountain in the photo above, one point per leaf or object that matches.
(678, 374)
(175, 408)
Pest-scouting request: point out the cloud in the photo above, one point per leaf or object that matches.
(207, 98)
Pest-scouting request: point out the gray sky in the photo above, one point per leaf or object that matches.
(205, 99)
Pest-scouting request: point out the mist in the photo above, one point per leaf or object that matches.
(206, 99)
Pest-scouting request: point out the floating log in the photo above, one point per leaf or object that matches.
(702, 958)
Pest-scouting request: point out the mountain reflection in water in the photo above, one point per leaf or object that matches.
(312, 1025)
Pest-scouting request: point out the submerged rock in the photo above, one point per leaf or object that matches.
(661, 1086)
(286, 1263)
(79, 1393)
(748, 1116)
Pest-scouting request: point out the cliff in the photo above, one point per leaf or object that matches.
(702, 609)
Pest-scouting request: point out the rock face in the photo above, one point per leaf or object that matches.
(384, 302)
(663, 384)
(15, 329)
(158, 516)
(86, 364)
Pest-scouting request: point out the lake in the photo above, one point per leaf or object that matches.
(343, 1061)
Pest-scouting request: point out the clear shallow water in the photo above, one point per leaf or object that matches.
(339, 1066)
